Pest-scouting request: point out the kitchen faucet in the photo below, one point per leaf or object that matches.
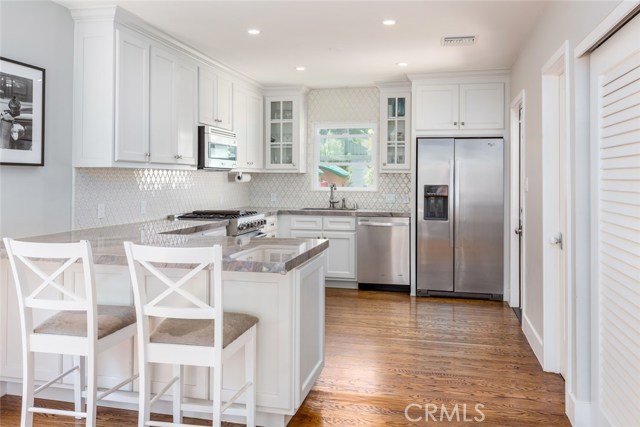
(332, 200)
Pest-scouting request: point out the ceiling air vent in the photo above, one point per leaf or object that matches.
(459, 41)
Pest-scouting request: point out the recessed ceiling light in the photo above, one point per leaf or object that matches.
(253, 31)
(389, 22)
(300, 68)
(402, 64)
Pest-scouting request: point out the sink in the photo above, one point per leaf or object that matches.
(328, 209)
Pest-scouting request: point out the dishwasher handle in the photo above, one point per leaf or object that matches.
(383, 224)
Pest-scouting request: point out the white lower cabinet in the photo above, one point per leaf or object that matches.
(341, 256)
(339, 230)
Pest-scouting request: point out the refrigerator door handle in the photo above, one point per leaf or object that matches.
(451, 180)
(456, 195)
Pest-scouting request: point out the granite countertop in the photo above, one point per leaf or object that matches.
(333, 212)
(240, 254)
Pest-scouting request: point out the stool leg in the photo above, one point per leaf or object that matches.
(144, 411)
(78, 384)
(177, 394)
(217, 397)
(27, 389)
(250, 376)
(92, 390)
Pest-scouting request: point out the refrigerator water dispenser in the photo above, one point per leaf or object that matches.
(436, 202)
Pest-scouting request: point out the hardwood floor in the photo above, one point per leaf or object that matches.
(385, 351)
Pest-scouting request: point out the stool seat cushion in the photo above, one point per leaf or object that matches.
(201, 332)
(111, 318)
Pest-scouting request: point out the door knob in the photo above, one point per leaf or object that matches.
(558, 241)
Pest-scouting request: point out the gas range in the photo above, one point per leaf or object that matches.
(240, 222)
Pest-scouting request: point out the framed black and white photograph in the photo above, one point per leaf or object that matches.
(21, 113)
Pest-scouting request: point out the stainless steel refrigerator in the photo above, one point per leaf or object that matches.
(460, 217)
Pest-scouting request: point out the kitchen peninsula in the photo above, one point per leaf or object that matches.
(281, 281)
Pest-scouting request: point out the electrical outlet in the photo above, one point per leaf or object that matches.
(101, 210)
(390, 198)
(143, 207)
(274, 197)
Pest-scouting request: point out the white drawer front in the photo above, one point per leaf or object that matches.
(306, 223)
(339, 223)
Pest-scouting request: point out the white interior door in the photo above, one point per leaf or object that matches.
(562, 220)
(615, 195)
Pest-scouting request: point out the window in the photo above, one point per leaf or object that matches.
(345, 155)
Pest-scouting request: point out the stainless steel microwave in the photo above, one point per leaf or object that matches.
(217, 148)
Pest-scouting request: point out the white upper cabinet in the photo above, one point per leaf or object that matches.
(139, 94)
(482, 106)
(215, 98)
(173, 108)
(132, 97)
(285, 128)
(468, 106)
(248, 125)
(437, 107)
(395, 130)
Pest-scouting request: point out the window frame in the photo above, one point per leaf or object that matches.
(315, 183)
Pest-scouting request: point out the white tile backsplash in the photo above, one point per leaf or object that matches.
(124, 191)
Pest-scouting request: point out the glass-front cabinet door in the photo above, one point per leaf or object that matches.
(396, 131)
(283, 125)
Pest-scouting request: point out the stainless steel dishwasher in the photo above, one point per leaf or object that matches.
(383, 253)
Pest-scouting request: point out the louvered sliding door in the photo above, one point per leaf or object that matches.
(615, 97)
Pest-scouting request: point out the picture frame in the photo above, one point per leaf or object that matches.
(22, 96)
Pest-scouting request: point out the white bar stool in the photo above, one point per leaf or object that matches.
(200, 334)
(81, 328)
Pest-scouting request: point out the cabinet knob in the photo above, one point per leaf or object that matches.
(461, 123)
(384, 164)
(455, 123)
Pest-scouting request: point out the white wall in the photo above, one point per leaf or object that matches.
(561, 21)
(37, 200)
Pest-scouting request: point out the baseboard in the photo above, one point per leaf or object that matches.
(578, 411)
(3, 388)
(535, 341)
(340, 284)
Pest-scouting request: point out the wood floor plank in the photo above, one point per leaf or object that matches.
(385, 351)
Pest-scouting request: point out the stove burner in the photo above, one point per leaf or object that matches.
(216, 214)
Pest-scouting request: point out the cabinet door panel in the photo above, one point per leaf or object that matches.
(186, 110)
(206, 97)
(437, 107)
(306, 222)
(224, 102)
(306, 234)
(341, 255)
(132, 97)
(162, 132)
(255, 149)
(482, 106)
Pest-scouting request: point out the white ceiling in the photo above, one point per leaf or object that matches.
(343, 43)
